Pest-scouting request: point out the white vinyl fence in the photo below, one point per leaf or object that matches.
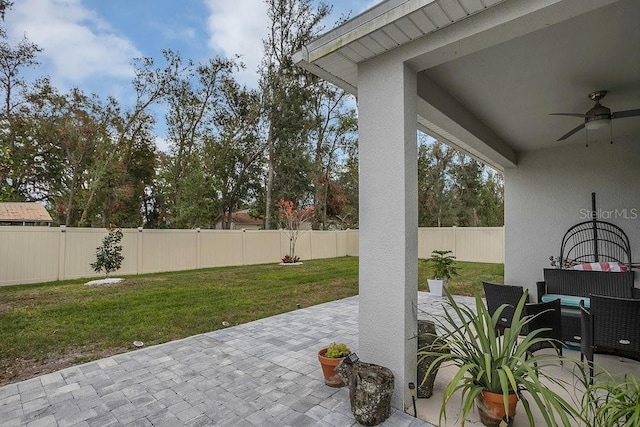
(42, 254)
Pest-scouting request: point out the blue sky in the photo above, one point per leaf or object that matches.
(90, 44)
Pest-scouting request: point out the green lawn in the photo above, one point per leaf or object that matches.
(49, 326)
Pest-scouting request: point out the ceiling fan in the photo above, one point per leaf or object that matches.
(598, 116)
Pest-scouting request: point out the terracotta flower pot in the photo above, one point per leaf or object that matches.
(331, 378)
(491, 407)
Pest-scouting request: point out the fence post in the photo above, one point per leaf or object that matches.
(454, 241)
(62, 249)
(139, 266)
(244, 247)
(504, 249)
(197, 247)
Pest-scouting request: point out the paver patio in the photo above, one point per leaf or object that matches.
(263, 373)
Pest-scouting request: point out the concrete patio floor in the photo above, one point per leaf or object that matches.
(263, 373)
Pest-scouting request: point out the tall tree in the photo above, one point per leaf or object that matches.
(69, 130)
(5, 165)
(435, 202)
(332, 134)
(467, 187)
(235, 154)
(348, 184)
(13, 92)
(92, 160)
(454, 189)
(215, 152)
(287, 96)
(491, 209)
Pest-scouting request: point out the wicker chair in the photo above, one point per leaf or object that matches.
(497, 295)
(548, 316)
(610, 325)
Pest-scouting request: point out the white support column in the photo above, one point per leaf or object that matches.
(388, 220)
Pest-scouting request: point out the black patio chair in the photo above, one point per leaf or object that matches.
(610, 325)
(547, 316)
(497, 295)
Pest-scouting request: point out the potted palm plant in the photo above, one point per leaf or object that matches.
(329, 358)
(444, 268)
(497, 368)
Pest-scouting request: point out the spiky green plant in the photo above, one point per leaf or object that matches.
(612, 403)
(497, 363)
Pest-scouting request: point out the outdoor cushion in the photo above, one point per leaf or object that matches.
(567, 300)
(614, 267)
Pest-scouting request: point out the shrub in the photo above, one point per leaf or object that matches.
(109, 256)
(288, 259)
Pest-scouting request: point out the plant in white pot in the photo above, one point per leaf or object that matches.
(444, 268)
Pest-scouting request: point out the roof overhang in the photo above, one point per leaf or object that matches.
(490, 71)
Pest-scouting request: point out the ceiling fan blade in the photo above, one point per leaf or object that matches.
(568, 114)
(627, 113)
(571, 132)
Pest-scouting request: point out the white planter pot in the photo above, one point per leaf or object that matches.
(436, 286)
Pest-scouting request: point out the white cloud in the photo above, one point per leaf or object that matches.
(237, 28)
(76, 42)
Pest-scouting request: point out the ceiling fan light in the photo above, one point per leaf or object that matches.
(597, 124)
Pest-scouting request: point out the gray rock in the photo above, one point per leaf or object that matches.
(370, 390)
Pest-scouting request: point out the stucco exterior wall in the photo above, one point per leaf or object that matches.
(550, 191)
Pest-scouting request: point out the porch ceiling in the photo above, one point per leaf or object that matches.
(491, 71)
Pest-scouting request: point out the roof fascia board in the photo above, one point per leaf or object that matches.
(300, 58)
(362, 25)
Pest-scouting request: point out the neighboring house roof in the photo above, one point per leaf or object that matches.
(243, 217)
(23, 212)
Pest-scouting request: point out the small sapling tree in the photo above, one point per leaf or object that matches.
(292, 218)
(109, 255)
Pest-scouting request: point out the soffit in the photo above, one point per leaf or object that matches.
(388, 25)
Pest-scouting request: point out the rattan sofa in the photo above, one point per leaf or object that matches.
(589, 242)
(610, 326)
